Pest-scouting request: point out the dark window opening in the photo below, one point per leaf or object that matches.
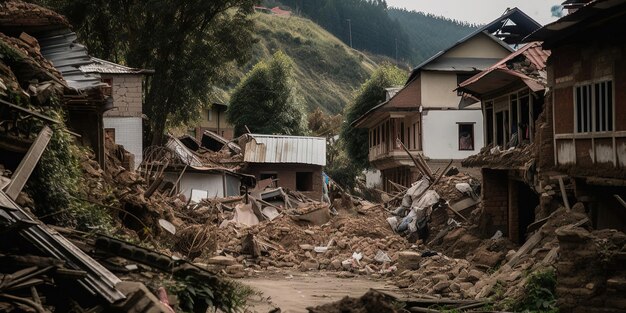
(402, 132)
(466, 136)
(499, 129)
(263, 176)
(304, 181)
(489, 118)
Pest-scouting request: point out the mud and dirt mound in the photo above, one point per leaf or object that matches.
(371, 302)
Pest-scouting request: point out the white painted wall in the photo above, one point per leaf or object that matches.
(210, 182)
(373, 178)
(128, 133)
(440, 132)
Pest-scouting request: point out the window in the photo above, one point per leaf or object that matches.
(263, 176)
(209, 114)
(593, 105)
(304, 181)
(466, 136)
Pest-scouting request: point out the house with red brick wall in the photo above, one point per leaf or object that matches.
(587, 78)
(296, 162)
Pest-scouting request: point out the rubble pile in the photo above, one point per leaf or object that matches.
(591, 270)
(495, 157)
(136, 209)
(349, 241)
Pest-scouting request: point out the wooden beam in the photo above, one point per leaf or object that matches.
(28, 163)
(563, 193)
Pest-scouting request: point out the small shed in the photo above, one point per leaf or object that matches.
(295, 161)
(192, 178)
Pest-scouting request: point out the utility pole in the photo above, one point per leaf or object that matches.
(350, 28)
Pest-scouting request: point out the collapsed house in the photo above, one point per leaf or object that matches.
(424, 114)
(512, 98)
(191, 177)
(123, 123)
(41, 46)
(585, 74)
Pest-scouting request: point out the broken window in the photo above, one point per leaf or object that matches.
(466, 136)
(304, 181)
(593, 105)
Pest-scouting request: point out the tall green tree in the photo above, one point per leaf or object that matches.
(189, 43)
(266, 100)
(371, 93)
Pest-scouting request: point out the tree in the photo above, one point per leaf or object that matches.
(266, 101)
(189, 43)
(371, 93)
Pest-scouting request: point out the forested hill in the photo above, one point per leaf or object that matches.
(327, 72)
(410, 36)
(428, 33)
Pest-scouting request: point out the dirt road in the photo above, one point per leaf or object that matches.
(293, 292)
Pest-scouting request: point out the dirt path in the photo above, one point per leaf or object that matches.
(295, 291)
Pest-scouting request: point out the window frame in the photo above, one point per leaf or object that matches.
(592, 127)
(472, 136)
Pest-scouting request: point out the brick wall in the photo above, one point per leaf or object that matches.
(127, 95)
(495, 201)
(128, 133)
(286, 174)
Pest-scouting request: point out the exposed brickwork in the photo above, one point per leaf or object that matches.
(495, 200)
(127, 95)
(544, 136)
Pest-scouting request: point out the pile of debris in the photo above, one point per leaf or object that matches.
(494, 157)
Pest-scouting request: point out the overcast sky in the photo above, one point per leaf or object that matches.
(479, 11)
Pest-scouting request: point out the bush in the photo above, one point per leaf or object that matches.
(540, 293)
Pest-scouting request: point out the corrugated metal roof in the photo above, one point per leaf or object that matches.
(67, 55)
(106, 67)
(285, 149)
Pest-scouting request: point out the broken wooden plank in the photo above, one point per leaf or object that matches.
(563, 193)
(415, 161)
(28, 163)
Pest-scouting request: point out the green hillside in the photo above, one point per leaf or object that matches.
(327, 71)
(429, 34)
